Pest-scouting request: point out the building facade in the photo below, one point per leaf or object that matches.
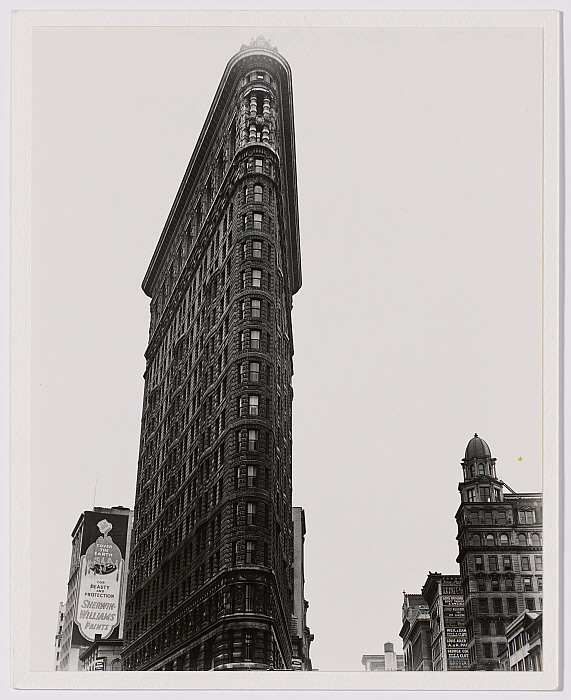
(416, 634)
(301, 634)
(389, 661)
(524, 651)
(500, 555)
(212, 584)
(97, 584)
(59, 630)
(448, 637)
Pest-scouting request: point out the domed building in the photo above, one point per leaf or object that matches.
(500, 554)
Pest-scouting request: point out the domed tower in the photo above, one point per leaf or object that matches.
(480, 484)
(500, 557)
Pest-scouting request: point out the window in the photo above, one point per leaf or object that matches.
(254, 372)
(526, 516)
(258, 165)
(245, 221)
(501, 518)
(538, 563)
(244, 280)
(258, 194)
(485, 493)
(476, 542)
(507, 560)
(251, 475)
(483, 605)
(540, 583)
(251, 513)
(256, 308)
(256, 249)
(255, 339)
(256, 278)
(498, 605)
(504, 540)
(527, 584)
(500, 630)
(509, 584)
(481, 583)
(535, 540)
(522, 539)
(497, 492)
(249, 597)
(258, 221)
(530, 603)
(490, 540)
(495, 584)
(479, 563)
(480, 469)
(243, 338)
(253, 439)
(248, 646)
(470, 495)
(253, 405)
(512, 605)
(485, 627)
(250, 552)
(487, 650)
(493, 563)
(488, 520)
(525, 564)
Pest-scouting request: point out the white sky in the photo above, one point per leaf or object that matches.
(418, 322)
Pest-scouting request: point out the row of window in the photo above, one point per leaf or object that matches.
(483, 604)
(503, 540)
(254, 278)
(507, 563)
(494, 584)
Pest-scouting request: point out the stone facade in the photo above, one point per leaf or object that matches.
(500, 554)
(415, 633)
(212, 557)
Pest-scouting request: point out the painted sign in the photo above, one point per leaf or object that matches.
(99, 598)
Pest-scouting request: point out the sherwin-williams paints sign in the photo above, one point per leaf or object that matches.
(98, 608)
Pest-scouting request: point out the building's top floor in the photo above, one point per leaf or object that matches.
(259, 63)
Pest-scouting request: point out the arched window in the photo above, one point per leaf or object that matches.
(476, 541)
(504, 539)
(480, 468)
(472, 470)
(490, 540)
(258, 194)
(522, 539)
(535, 540)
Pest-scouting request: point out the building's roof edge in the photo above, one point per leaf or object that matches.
(202, 146)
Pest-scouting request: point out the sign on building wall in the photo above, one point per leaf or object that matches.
(454, 623)
(101, 577)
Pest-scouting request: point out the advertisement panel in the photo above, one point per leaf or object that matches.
(101, 577)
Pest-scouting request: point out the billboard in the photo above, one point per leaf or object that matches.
(101, 577)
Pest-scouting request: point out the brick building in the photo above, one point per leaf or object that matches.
(415, 633)
(500, 554)
(443, 595)
(212, 584)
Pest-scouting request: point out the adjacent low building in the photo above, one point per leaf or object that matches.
(389, 661)
(95, 606)
(415, 633)
(524, 646)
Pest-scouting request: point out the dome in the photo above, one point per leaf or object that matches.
(477, 448)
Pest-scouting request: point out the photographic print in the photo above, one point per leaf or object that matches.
(286, 331)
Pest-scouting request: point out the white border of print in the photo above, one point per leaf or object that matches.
(23, 23)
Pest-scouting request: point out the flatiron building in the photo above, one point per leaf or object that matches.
(212, 578)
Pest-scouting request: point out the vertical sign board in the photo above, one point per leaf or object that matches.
(101, 577)
(454, 623)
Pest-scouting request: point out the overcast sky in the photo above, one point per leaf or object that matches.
(418, 322)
